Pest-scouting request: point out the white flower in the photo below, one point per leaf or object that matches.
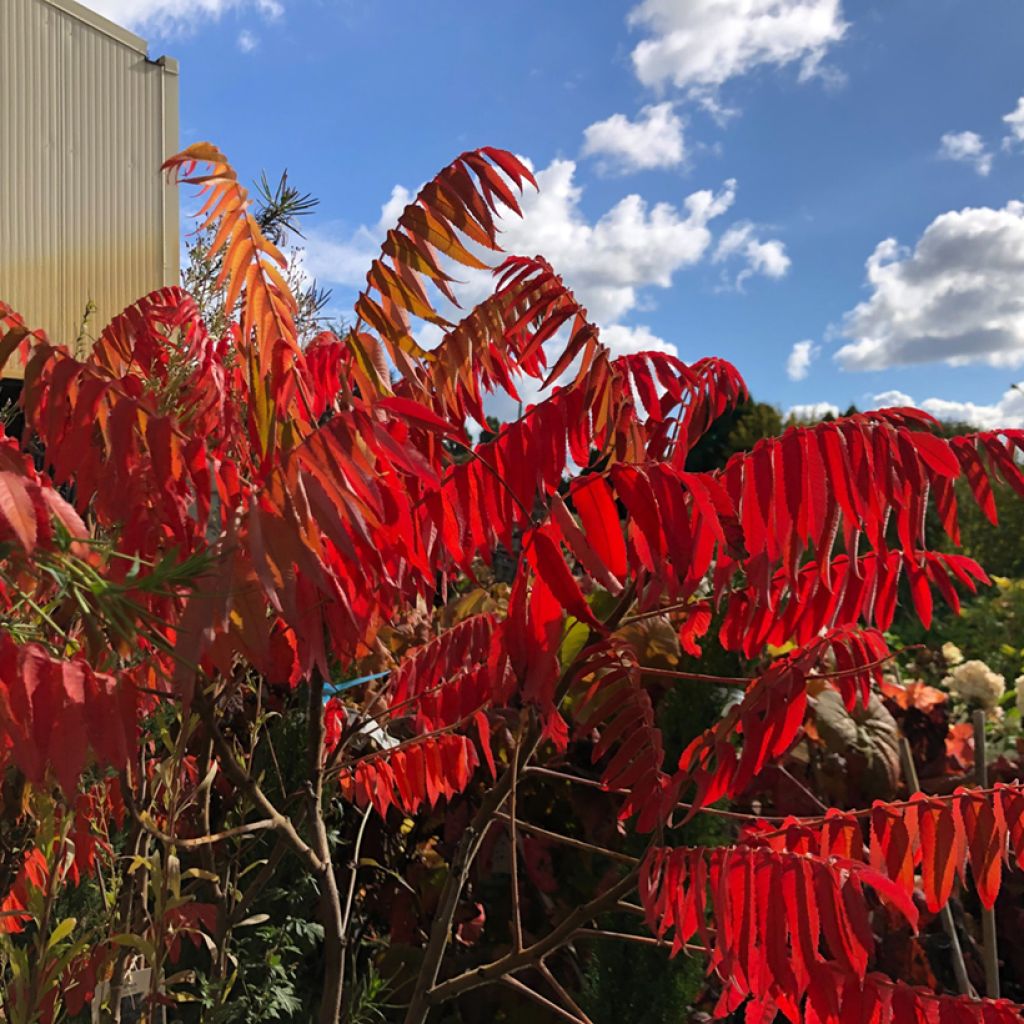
(1019, 684)
(951, 654)
(974, 682)
(994, 715)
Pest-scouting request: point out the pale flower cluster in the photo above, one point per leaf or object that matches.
(951, 654)
(975, 682)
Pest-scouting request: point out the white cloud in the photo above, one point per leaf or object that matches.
(955, 298)
(632, 246)
(1015, 119)
(766, 258)
(653, 140)
(811, 411)
(168, 16)
(800, 358)
(892, 400)
(247, 42)
(622, 340)
(966, 147)
(1005, 414)
(334, 256)
(698, 45)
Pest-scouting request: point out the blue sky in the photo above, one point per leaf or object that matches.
(826, 192)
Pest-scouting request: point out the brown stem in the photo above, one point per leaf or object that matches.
(419, 1005)
(538, 998)
(353, 872)
(332, 768)
(655, 612)
(515, 961)
(330, 897)
(567, 1000)
(630, 908)
(643, 940)
(697, 677)
(517, 916)
(422, 997)
(579, 844)
(259, 883)
(238, 776)
(801, 787)
(579, 780)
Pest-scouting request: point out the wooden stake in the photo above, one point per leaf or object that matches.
(945, 914)
(988, 917)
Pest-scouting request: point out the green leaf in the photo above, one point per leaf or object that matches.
(255, 919)
(206, 876)
(572, 642)
(62, 931)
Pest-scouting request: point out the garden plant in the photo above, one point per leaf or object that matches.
(314, 707)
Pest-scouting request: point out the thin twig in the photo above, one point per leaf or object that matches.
(643, 940)
(458, 871)
(331, 767)
(567, 1000)
(631, 908)
(579, 844)
(654, 612)
(237, 774)
(259, 883)
(334, 931)
(579, 780)
(697, 677)
(517, 916)
(353, 869)
(703, 677)
(568, 928)
(538, 998)
(801, 787)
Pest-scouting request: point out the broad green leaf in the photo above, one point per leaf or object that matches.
(62, 931)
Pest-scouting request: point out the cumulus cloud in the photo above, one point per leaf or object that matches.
(632, 246)
(766, 258)
(333, 255)
(247, 42)
(622, 340)
(1005, 414)
(955, 298)
(653, 140)
(168, 16)
(700, 44)
(1015, 121)
(892, 399)
(801, 356)
(811, 412)
(968, 148)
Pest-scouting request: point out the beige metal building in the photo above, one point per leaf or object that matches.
(86, 119)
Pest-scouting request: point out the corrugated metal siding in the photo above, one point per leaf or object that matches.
(85, 122)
